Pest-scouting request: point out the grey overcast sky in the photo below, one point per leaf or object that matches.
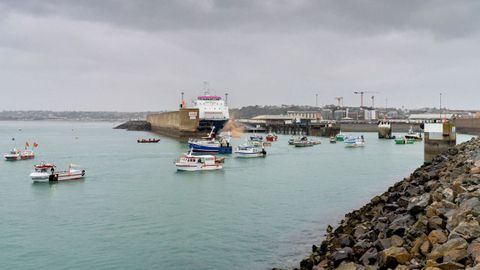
(138, 55)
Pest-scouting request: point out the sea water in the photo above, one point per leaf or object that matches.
(135, 211)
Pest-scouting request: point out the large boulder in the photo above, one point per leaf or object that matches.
(419, 203)
(391, 257)
(437, 237)
(453, 250)
(466, 229)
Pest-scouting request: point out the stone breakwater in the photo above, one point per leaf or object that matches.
(429, 220)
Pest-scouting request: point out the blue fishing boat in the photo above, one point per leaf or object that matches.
(210, 145)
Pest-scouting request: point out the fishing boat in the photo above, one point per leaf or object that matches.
(210, 144)
(249, 151)
(303, 142)
(404, 141)
(340, 137)
(352, 142)
(148, 140)
(46, 172)
(413, 135)
(385, 130)
(190, 162)
(271, 137)
(256, 138)
(16, 154)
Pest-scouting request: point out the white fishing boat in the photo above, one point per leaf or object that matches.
(354, 142)
(304, 142)
(256, 138)
(45, 172)
(16, 154)
(249, 150)
(413, 135)
(192, 163)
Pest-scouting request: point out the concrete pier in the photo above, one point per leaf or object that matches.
(438, 138)
(180, 124)
(322, 129)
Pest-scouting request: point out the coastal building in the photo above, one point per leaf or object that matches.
(305, 114)
(429, 117)
(370, 115)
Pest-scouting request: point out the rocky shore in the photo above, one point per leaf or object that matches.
(429, 220)
(137, 125)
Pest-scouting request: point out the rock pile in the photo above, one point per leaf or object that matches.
(137, 125)
(429, 220)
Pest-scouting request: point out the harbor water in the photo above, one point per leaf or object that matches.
(135, 211)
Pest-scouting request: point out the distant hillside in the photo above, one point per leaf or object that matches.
(71, 115)
(252, 111)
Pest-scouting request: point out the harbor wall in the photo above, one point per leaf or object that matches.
(373, 127)
(182, 123)
(429, 220)
(468, 126)
(439, 137)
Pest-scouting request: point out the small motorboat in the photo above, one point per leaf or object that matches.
(45, 172)
(333, 140)
(16, 154)
(271, 137)
(250, 151)
(340, 137)
(404, 141)
(148, 140)
(413, 135)
(291, 141)
(352, 142)
(256, 138)
(303, 142)
(192, 163)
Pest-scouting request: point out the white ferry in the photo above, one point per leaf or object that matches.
(213, 112)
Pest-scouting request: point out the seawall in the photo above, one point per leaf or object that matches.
(180, 124)
(468, 126)
(429, 220)
(373, 127)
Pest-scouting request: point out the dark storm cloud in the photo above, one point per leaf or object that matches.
(139, 55)
(443, 19)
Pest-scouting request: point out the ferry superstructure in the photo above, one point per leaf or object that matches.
(212, 110)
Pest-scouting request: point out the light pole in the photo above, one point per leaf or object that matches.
(316, 100)
(440, 106)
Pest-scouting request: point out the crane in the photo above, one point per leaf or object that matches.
(361, 96)
(339, 101)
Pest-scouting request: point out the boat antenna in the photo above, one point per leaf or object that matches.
(205, 87)
(226, 99)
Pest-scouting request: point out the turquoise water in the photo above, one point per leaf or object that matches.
(134, 211)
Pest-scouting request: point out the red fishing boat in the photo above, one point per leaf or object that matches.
(271, 137)
(148, 141)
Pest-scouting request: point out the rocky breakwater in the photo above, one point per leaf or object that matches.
(138, 125)
(429, 220)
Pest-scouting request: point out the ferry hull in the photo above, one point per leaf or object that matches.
(206, 125)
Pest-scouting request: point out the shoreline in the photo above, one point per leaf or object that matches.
(428, 220)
